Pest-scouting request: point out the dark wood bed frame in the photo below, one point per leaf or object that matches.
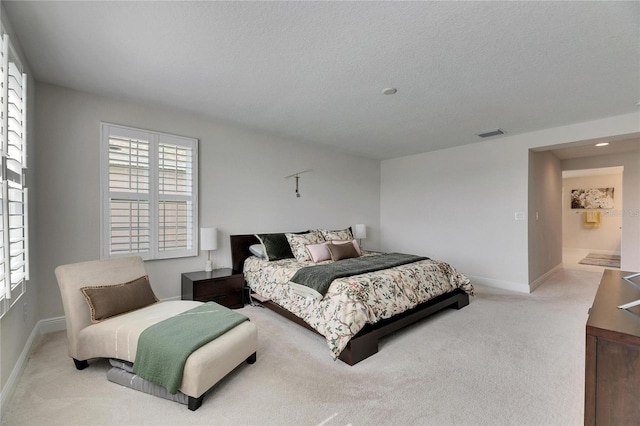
(365, 343)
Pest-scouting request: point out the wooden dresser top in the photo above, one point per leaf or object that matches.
(605, 318)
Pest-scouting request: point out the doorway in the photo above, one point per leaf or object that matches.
(592, 218)
(546, 203)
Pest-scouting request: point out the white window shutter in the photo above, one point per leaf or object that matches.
(14, 218)
(5, 282)
(149, 193)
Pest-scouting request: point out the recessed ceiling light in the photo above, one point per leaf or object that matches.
(389, 91)
(602, 144)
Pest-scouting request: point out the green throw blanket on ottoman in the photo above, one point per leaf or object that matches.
(163, 348)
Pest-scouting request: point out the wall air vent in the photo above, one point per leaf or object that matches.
(490, 133)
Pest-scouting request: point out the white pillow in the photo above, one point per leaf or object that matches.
(257, 250)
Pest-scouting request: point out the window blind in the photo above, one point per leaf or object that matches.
(175, 206)
(150, 193)
(130, 227)
(14, 232)
(5, 284)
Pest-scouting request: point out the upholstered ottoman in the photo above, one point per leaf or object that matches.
(202, 370)
(209, 364)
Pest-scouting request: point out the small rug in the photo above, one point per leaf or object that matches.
(608, 260)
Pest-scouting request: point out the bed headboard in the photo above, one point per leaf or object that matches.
(240, 250)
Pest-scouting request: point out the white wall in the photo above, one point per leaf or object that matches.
(241, 185)
(545, 214)
(606, 238)
(630, 239)
(459, 204)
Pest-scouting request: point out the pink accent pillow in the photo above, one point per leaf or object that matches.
(355, 244)
(318, 252)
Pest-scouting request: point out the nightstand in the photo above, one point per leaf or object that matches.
(220, 285)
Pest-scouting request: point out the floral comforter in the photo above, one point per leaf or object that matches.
(354, 301)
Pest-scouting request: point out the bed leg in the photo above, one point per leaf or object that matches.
(252, 358)
(360, 348)
(462, 301)
(80, 365)
(195, 403)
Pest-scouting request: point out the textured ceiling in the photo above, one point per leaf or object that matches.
(314, 71)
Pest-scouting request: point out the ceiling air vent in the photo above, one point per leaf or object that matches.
(490, 133)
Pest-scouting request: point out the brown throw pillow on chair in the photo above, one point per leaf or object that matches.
(111, 300)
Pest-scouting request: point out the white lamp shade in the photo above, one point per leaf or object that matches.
(360, 231)
(208, 238)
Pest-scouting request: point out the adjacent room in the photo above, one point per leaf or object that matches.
(488, 151)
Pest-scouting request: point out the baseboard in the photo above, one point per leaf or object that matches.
(521, 288)
(609, 252)
(505, 285)
(585, 252)
(536, 283)
(10, 385)
(44, 326)
(52, 324)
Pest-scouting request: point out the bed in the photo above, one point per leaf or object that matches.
(356, 311)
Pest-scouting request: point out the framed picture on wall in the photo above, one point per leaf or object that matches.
(592, 198)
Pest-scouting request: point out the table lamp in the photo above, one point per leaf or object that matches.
(360, 232)
(208, 241)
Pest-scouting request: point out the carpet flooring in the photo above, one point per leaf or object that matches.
(606, 260)
(506, 359)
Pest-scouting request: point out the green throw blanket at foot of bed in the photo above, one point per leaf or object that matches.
(163, 348)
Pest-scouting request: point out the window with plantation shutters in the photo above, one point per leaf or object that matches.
(149, 184)
(14, 241)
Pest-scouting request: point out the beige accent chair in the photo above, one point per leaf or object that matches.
(117, 337)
